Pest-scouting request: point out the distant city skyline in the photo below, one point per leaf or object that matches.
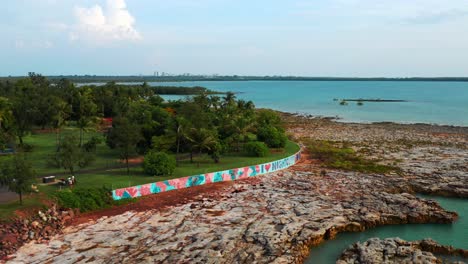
(336, 38)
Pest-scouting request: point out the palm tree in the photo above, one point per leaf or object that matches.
(215, 102)
(241, 126)
(86, 124)
(202, 140)
(63, 110)
(229, 99)
(87, 112)
(180, 133)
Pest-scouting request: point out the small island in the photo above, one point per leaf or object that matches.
(376, 100)
(360, 101)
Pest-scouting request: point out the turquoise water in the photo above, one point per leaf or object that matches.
(429, 102)
(455, 234)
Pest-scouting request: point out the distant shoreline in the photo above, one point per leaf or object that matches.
(194, 78)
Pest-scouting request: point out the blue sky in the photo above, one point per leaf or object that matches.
(256, 37)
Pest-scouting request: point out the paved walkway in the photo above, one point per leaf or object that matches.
(6, 196)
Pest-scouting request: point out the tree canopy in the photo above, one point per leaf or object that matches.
(17, 175)
(134, 119)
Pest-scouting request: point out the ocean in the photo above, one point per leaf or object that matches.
(443, 103)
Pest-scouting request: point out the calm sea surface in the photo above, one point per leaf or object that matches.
(429, 102)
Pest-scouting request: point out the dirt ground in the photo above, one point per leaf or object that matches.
(172, 198)
(160, 201)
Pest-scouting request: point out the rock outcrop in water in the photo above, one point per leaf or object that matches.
(395, 250)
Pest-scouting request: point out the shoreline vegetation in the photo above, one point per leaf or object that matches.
(161, 90)
(192, 78)
(181, 90)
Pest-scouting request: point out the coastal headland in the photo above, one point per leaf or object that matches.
(277, 217)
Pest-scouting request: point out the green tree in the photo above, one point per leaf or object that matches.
(6, 120)
(5, 112)
(70, 156)
(272, 136)
(24, 108)
(229, 99)
(159, 163)
(179, 129)
(240, 126)
(256, 149)
(61, 111)
(202, 140)
(267, 117)
(87, 112)
(124, 135)
(17, 175)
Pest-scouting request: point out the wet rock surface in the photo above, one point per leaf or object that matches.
(275, 218)
(395, 250)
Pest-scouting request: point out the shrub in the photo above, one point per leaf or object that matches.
(345, 158)
(272, 136)
(159, 163)
(256, 149)
(27, 147)
(216, 151)
(85, 199)
(90, 145)
(267, 117)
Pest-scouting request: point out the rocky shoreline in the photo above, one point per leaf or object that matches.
(278, 217)
(396, 250)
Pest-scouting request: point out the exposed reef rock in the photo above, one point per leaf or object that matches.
(274, 219)
(395, 250)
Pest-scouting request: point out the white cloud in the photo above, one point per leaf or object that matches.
(98, 24)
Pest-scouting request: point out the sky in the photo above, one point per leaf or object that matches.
(343, 38)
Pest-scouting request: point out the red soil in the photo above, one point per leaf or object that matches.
(159, 201)
(165, 200)
(137, 160)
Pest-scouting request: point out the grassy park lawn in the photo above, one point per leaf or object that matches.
(44, 144)
(6, 210)
(118, 178)
(106, 158)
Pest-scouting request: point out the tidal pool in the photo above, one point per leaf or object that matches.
(455, 234)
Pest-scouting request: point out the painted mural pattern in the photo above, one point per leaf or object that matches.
(196, 180)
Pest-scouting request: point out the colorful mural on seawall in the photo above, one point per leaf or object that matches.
(196, 180)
